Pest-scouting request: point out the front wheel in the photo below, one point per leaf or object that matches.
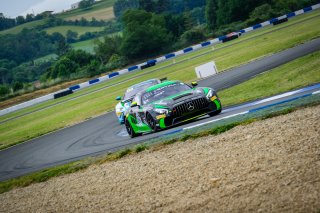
(151, 122)
(130, 130)
(214, 113)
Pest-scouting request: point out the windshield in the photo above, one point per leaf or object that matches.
(132, 91)
(163, 92)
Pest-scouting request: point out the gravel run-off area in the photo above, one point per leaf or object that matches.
(266, 166)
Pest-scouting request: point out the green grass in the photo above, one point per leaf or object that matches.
(56, 171)
(100, 10)
(87, 45)
(18, 29)
(242, 51)
(79, 29)
(298, 73)
(49, 57)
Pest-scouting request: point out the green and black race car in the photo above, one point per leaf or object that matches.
(167, 104)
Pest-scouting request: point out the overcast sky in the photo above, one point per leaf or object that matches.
(13, 8)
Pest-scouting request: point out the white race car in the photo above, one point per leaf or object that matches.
(124, 105)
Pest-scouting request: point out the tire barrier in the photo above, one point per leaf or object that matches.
(231, 37)
(280, 21)
(153, 62)
(62, 94)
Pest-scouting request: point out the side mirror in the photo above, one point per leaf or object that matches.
(134, 104)
(118, 98)
(194, 84)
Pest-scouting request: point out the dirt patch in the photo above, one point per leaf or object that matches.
(267, 166)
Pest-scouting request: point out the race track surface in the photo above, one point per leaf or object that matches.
(104, 134)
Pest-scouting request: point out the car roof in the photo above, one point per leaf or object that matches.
(144, 82)
(157, 86)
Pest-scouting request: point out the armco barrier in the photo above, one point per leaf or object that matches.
(158, 60)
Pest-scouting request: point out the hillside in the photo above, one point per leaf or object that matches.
(102, 10)
(266, 166)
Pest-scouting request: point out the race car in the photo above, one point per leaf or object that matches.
(168, 104)
(123, 106)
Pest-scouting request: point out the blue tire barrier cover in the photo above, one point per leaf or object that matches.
(94, 81)
(205, 44)
(307, 9)
(113, 74)
(257, 26)
(132, 68)
(169, 55)
(188, 49)
(289, 15)
(74, 87)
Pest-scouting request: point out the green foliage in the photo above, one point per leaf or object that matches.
(140, 148)
(144, 34)
(211, 16)
(72, 63)
(25, 46)
(4, 90)
(220, 13)
(71, 36)
(106, 48)
(124, 153)
(120, 6)
(192, 36)
(262, 13)
(85, 4)
(17, 86)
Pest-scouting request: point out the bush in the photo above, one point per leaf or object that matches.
(17, 86)
(4, 90)
(192, 36)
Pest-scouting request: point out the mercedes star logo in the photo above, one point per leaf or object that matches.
(190, 106)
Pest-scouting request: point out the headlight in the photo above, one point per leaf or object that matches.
(161, 111)
(210, 94)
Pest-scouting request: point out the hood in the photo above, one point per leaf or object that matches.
(169, 101)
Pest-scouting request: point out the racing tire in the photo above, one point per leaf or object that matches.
(214, 113)
(130, 130)
(151, 122)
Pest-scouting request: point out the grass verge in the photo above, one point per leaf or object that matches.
(83, 164)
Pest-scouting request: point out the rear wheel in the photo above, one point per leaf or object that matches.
(130, 130)
(152, 123)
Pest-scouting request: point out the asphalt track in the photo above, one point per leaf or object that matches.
(103, 134)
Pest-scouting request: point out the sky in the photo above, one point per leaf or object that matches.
(14, 8)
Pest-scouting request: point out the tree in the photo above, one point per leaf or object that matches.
(120, 6)
(4, 90)
(62, 47)
(147, 5)
(85, 4)
(71, 36)
(64, 67)
(17, 86)
(29, 17)
(20, 20)
(144, 34)
(211, 17)
(106, 48)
